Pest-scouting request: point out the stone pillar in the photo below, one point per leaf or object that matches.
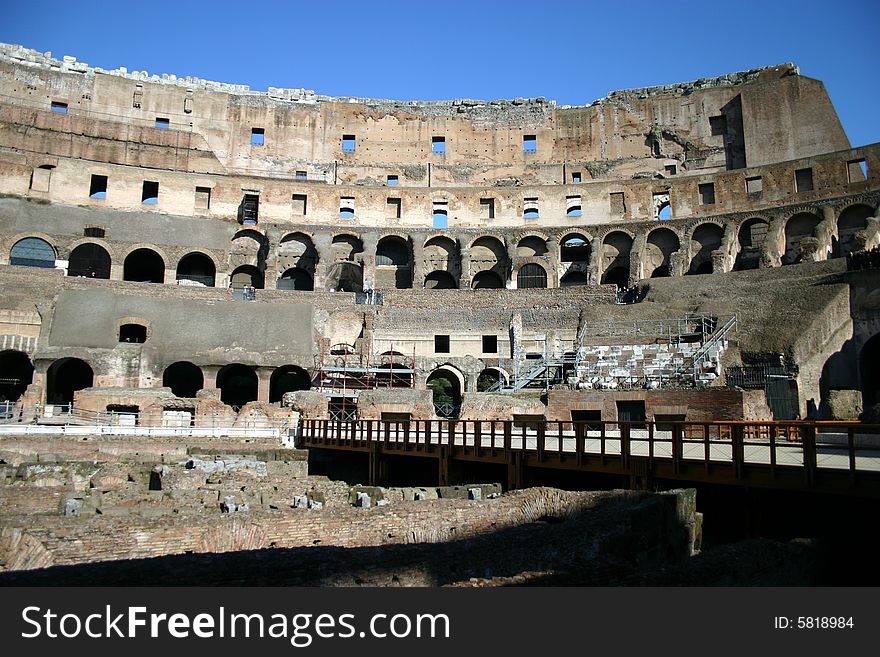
(636, 258)
(511, 263)
(371, 243)
(418, 266)
(594, 267)
(826, 233)
(209, 374)
(170, 277)
(324, 249)
(116, 271)
(264, 376)
(465, 276)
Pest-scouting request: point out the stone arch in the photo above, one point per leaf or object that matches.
(448, 384)
(488, 253)
(614, 259)
(660, 244)
(345, 276)
(287, 378)
(89, 260)
(197, 268)
(487, 280)
(440, 280)
(440, 252)
(238, 384)
(490, 376)
(394, 262)
(705, 238)
(246, 276)
(850, 221)
(16, 374)
(574, 247)
(64, 377)
(531, 246)
(184, 378)
(297, 250)
(531, 275)
(296, 278)
(33, 252)
(752, 236)
(248, 246)
(144, 265)
(345, 246)
(798, 227)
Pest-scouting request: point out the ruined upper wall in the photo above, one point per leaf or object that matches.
(737, 120)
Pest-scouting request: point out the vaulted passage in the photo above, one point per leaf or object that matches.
(288, 378)
(393, 263)
(144, 266)
(196, 269)
(66, 376)
(184, 378)
(246, 276)
(446, 389)
(238, 385)
(440, 280)
(89, 261)
(487, 280)
(296, 279)
(345, 277)
(16, 374)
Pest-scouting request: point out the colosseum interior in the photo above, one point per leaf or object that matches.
(192, 272)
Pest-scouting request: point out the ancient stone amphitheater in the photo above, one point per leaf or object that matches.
(178, 254)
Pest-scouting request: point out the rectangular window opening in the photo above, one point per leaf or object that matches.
(392, 180)
(299, 204)
(349, 143)
(803, 180)
(592, 419)
(258, 136)
(346, 207)
(94, 231)
(530, 208)
(162, 123)
(631, 411)
(441, 214)
(576, 177)
(618, 205)
(441, 344)
(573, 206)
(392, 208)
(671, 169)
(203, 198)
(438, 145)
(250, 208)
(98, 187)
(530, 143)
(857, 170)
(58, 107)
(754, 185)
(150, 192)
(718, 125)
(487, 208)
(41, 177)
(490, 344)
(707, 193)
(302, 175)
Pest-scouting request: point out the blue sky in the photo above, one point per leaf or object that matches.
(573, 52)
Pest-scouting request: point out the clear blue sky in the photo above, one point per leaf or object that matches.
(573, 52)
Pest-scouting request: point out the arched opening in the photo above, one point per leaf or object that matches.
(574, 248)
(706, 239)
(346, 247)
(89, 261)
(870, 372)
(246, 276)
(32, 252)
(398, 370)
(144, 266)
(488, 254)
(288, 378)
(345, 277)
(490, 377)
(531, 276)
(573, 279)
(659, 247)
(135, 333)
(487, 280)
(297, 251)
(296, 279)
(16, 374)
(440, 254)
(752, 235)
(440, 280)
(850, 222)
(238, 385)
(196, 269)
(393, 263)
(446, 387)
(797, 228)
(531, 247)
(184, 378)
(618, 276)
(64, 377)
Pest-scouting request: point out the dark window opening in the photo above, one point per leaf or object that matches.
(98, 186)
(288, 378)
(59, 107)
(17, 374)
(438, 145)
(94, 231)
(487, 208)
(487, 280)
(64, 377)
(184, 379)
(490, 344)
(707, 193)
(664, 422)
(392, 208)
(203, 198)
(258, 136)
(136, 333)
(393, 180)
(162, 123)
(718, 125)
(301, 175)
(150, 192)
(530, 143)
(803, 180)
(575, 249)
(531, 276)
(89, 261)
(349, 143)
(631, 411)
(441, 344)
(576, 177)
(144, 266)
(238, 385)
(592, 419)
(196, 269)
(296, 278)
(671, 169)
(250, 208)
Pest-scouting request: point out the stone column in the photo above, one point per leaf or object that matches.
(324, 249)
(371, 242)
(511, 263)
(418, 265)
(264, 376)
(594, 267)
(636, 258)
(464, 270)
